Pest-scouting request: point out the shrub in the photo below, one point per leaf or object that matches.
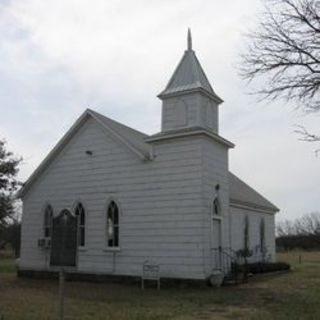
(261, 267)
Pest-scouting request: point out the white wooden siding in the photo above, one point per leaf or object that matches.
(237, 227)
(214, 171)
(209, 113)
(201, 111)
(160, 204)
(173, 119)
(165, 204)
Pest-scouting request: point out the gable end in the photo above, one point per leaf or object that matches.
(142, 154)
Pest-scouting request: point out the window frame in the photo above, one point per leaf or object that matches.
(262, 234)
(216, 204)
(246, 233)
(47, 220)
(180, 114)
(115, 226)
(81, 227)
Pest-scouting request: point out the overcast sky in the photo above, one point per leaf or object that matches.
(59, 57)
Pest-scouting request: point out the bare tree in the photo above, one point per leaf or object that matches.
(301, 232)
(285, 50)
(285, 228)
(309, 225)
(305, 135)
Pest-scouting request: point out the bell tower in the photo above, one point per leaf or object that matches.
(188, 101)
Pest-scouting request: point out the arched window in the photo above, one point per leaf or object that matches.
(80, 213)
(47, 224)
(181, 113)
(216, 208)
(262, 235)
(246, 233)
(113, 225)
(209, 115)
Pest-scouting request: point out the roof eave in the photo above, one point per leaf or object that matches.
(168, 135)
(163, 95)
(139, 153)
(253, 206)
(66, 137)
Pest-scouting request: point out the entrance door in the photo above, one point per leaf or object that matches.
(216, 243)
(64, 240)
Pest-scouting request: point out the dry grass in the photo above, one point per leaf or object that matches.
(291, 295)
(296, 256)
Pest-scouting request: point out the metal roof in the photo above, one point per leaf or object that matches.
(242, 194)
(189, 75)
(183, 132)
(133, 137)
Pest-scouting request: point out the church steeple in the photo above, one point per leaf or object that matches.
(189, 75)
(196, 103)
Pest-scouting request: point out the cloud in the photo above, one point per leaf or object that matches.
(59, 57)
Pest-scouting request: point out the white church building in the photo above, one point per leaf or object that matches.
(168, 198)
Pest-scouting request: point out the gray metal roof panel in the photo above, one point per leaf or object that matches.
(131, 137)
(240, 192)
(188, 75)
(134, 137)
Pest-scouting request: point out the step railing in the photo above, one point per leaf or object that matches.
(226, 260)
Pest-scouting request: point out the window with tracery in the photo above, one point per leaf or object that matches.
(47, 225)
(113, 225)
(80, 213)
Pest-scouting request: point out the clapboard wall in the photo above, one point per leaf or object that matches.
(161, 204)
(189, 110)
(215, 173)
(238, 215)
(165, 205)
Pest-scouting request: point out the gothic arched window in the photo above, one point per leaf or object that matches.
(246, 233)
(209, 116)
(47, 224)
(181, 113)
(112, 225)
(80, 213)
(216, 209)
(262, 235)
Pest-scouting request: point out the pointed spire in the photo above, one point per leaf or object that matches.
(189, 40)
(188, 76)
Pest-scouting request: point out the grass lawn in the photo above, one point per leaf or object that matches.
(291, 295)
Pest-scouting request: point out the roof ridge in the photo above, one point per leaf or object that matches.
(195, 68)
(188, 75)
(174, 72)
(203, 73)
(135, 144)
(116, 122)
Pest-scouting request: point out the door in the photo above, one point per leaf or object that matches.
(64, 240)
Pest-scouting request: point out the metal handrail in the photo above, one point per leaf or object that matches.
(227, 256)
(226, 260)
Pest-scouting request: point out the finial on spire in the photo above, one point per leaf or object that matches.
(189, 40)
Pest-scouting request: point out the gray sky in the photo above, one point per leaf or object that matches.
(59, 57)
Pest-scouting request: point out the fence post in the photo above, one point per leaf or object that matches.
(61, 293)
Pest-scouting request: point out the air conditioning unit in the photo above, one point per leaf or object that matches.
(44, 243)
